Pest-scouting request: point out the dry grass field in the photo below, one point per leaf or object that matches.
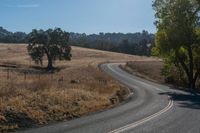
(150, 70)
(29, 96)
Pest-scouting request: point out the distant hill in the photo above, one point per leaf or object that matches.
(130, 43)
(115, 37)
(139, 43)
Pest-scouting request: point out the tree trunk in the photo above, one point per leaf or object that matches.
(191, 83)
(189, 70)
(191, 67)
(191, 80)
(50, 62)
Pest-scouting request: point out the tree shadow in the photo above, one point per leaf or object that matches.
(44, 70)
(187, 99)
(22, 120)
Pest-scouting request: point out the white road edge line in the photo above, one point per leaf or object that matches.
(144, 120)
(140, 122)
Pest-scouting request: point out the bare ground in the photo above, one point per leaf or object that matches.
(30, 96)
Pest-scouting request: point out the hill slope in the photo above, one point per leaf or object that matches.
(31, 96)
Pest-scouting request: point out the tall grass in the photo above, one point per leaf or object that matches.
(46, 99)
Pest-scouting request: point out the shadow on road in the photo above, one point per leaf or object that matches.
(185, 100)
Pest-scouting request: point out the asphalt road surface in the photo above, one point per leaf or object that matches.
(153, 108)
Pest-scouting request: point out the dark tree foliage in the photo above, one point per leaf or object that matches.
(177, 38)
(53, 43)
(131, 43)
(9, 37)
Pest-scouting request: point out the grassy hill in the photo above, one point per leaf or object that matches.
(30, 96)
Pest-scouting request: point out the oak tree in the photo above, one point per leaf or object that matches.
(52, 43)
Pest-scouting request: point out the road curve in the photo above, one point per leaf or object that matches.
(153, 108)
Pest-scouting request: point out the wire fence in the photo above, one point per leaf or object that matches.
(22, 75)
(28, 76)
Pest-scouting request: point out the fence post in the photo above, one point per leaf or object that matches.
(25, 76)
(29, 62)
(8, 73)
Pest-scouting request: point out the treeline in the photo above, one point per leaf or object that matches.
(131, 43)
(10, 37)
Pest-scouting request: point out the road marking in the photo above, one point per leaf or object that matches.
(144, 120)
(140, 122)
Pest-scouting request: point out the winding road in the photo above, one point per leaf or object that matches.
(153, 108)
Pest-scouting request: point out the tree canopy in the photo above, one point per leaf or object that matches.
(130, 43)
(139, 43)
(53, 43)
(10, 37)
(177, 38)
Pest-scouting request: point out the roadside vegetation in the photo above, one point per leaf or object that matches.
(150, 70)
(177, 40)
(177, 43)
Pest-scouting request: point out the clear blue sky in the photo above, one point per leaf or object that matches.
(88, 16)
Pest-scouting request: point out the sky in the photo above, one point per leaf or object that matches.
(82, 16)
